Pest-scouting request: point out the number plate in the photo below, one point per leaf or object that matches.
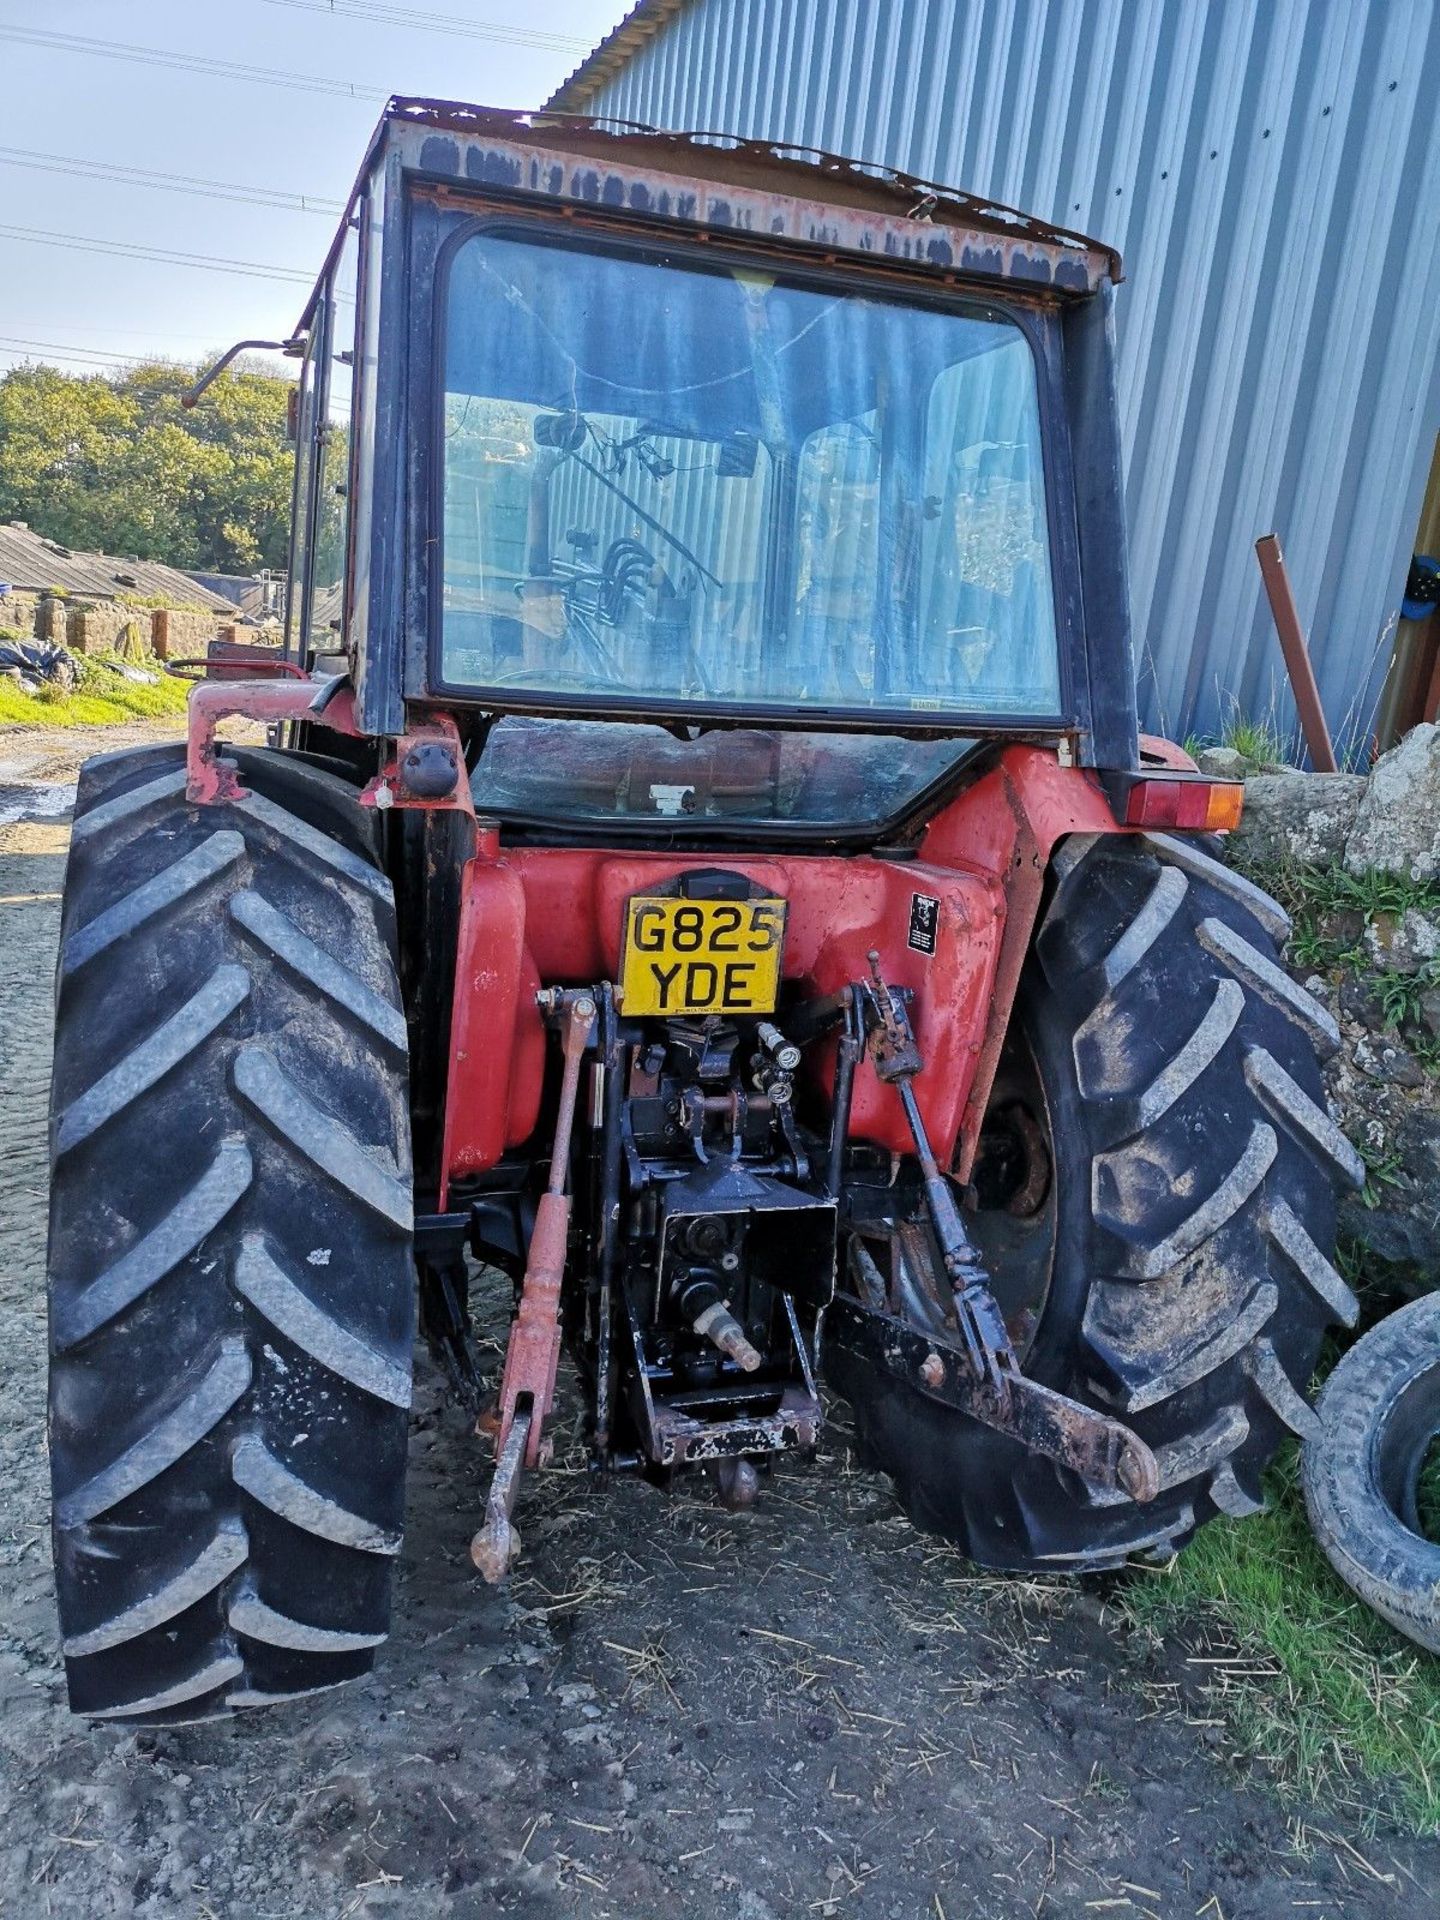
(701, 956)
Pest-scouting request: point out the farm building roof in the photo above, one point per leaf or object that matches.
(29, 564)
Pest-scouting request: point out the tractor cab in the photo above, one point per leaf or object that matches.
(687, 434)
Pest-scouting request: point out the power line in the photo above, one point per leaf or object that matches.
(380, 14)
(189, 63)
(117, 333)
(92, 356)
(84, 354)
(213, 263)
(170, 182)
(59, 354)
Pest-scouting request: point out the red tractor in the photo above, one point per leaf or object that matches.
(705, 878)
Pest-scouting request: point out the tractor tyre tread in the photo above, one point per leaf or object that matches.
(1196, 1173)
(232, 1292)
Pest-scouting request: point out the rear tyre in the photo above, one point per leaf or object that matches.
(231, 1285)
(1185, 1278)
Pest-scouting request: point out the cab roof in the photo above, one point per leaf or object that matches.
(727, 187)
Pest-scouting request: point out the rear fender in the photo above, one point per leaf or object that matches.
(1006, 826)
(497, 1040)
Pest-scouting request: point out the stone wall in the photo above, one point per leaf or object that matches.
(18, 611)
(107, 626)
(1387, 821)
(177, 634)
(52, 619)
(94, 626)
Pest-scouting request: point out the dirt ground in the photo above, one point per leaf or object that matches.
(808, 1710)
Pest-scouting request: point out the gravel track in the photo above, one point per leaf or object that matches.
(809, 1710)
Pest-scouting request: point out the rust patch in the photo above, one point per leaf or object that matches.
(750, 186)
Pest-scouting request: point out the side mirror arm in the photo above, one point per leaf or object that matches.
(291, 347)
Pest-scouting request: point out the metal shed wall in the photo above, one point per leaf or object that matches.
(1270, 170)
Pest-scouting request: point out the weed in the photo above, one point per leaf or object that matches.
(1373, 1285)
(1310, 948)
(1313, 892)
(1104, 1786)
(1258, 739)
(1330, 911)
(1401, 994)
(1258, 736)
(161, 602)
(1383, 1166)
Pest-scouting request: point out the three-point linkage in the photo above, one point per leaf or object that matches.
(896, 1058)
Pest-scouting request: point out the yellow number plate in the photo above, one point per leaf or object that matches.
(701, 956)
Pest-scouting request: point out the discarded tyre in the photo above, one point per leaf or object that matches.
(1185, 1282)
(231, 1288)
(1379, 1412)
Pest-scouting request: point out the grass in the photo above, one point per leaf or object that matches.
(1260, 744)
(101, 697)
(1258, 741)
(1335, 1706)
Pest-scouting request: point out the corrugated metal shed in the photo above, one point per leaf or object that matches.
(31, 564)
(1270, 170)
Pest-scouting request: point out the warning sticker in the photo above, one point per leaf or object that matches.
(924, 919)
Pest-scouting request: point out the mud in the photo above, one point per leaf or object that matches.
(808, 1710)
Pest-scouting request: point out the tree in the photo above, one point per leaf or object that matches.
(113, 463)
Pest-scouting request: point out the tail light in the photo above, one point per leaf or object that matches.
(1184, 803)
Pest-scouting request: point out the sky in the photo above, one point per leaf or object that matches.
(74, 106)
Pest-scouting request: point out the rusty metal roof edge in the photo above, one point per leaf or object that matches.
(604, 60)
(911, 190)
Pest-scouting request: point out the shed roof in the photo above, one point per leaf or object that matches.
(31, 563)
(605, 60)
